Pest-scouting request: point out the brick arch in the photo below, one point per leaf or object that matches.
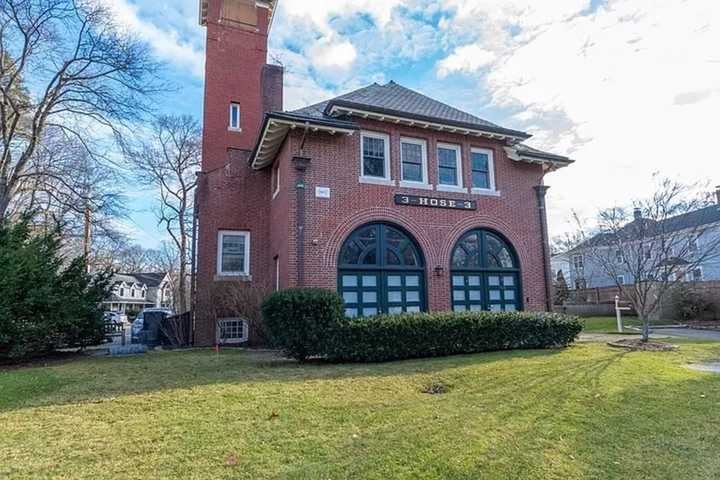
(374, 215)
(483, 222)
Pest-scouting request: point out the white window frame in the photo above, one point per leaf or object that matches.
(425, 183)
(458, 187)
(221, 234)
(231, 127)
(578, 265)
(620, 279)
(243, 338)
(491, 172)
(275, 180)
(387, 179)
(691, 276)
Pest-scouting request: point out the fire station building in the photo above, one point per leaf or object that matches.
(397, 201)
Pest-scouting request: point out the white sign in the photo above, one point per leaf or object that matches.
(322, 192)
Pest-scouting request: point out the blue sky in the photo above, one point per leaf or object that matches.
(625, 87)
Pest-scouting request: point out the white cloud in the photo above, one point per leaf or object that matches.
(330, 53)
(627, 90)
(465, 59)
(166, 44)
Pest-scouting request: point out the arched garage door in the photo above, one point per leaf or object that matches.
(381, 270)
(485, 273)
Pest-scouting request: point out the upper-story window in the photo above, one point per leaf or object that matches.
(578, 262)
(132, 293)
(483, 175)
(122, 292)
(449, 166)
(233, 257)
(375, 158)
(413, 161)
(234, 116)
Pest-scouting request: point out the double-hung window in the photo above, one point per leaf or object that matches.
(483, 175)
(232, 330)
(233, 257)
(449, 167)
(413, 162)
(234, 117)
(375, 158)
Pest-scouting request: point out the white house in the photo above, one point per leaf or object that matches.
(137, 291)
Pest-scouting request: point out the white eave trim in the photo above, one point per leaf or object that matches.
(269, 4)
(274, 135)
(548, 165)
(511, 139)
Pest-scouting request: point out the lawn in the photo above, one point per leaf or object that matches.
(609, 324)
(587, 412)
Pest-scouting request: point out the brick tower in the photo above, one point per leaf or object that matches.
(240, 87)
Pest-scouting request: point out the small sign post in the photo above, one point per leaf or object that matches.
(618, 313)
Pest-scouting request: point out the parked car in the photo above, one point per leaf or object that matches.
(117, 317)
(138, 325)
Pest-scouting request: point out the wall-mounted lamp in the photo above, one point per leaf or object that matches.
(439, 271)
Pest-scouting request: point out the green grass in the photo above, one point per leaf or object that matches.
(587, 412)
(609, 324)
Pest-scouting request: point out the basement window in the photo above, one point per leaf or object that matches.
(232, 330)
(235, 117)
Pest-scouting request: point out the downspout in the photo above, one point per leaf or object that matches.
(301, 165)
(193, 262)
(541, 191)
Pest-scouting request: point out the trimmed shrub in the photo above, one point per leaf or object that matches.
(395, 337)
(299, 320)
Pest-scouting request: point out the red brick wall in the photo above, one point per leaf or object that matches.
(335, 163)
(230, 195)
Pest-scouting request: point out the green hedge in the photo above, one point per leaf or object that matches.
(395, 337)
(310, 323)
(298, 320)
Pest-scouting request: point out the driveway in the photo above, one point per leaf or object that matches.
(708, 335)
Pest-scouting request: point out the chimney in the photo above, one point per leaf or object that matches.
(717, 194)
(272, 85)
(637, 213)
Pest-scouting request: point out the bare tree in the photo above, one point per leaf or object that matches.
(169, 160)
(89, 79)
(655, 245)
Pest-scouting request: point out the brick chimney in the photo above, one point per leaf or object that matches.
(637, 214)
(717, 194)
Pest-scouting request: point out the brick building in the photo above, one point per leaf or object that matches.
(396, 200)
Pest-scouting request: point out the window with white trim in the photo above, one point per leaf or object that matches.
(232, 330)
(449, 165)
(696, 275)
(375, 156)
(233, 256)
(578, 262)
(413, 161)
(621, 279)
(483, 169)
(234, 116)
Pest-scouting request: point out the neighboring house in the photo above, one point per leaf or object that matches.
(397, 201)
(585, 272)
(561, 263)
(137, 291)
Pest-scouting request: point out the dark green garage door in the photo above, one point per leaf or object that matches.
(381, 270)
(485, 274)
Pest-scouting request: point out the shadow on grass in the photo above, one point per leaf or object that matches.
(95, 379)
